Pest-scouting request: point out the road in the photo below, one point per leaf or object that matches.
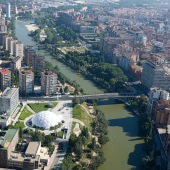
(66, 110)
(90, 96)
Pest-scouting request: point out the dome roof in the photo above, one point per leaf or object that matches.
(46, 119)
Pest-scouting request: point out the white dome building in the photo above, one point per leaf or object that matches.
(46, 119)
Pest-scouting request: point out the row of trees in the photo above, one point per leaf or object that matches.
(138, 104)
(55, 32)
(105, 75)
(145, 126)
(99, 127)
(146, 131)
(93, 67)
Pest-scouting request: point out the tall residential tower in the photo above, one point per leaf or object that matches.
(48, 83)
(8, 10)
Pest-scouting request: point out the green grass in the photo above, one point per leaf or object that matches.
(38, 107)
(25, 113)
(60, 134)
(79, 113)
(54, 104)
(19, 124)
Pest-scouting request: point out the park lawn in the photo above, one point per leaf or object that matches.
(80, 113)
(38, 107)
(60, 134)
(25, 113)
(19, 124)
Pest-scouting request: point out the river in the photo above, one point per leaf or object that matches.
(124, 149)
(87, 85)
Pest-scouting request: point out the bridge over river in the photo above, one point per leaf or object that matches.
(108, 96)
(120, 96)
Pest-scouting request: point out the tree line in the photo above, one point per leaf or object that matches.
(105, 75)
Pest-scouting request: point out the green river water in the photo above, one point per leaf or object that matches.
(124, 149)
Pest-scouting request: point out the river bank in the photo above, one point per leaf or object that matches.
(23, 35)
(124, 149)
(31, 27)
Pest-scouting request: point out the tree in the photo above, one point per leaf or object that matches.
(78, 148)
(66, 89)
(67, 163)
(148, 162)
(15, 78)
(38, 136)
(48, 140)
(76, 101)
(93, 144)
(20, 132)
(85, 132)
(103, 139)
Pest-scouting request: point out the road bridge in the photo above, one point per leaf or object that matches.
(121, 96)
(108, 96)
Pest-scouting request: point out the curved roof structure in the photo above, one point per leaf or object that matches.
(46, 119)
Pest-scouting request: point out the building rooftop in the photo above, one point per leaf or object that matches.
(26, 71)
(8, 92)
(8, 137)
(4, 71)
(32, 148)
(48, 73)
(17, 156)
(15, 59)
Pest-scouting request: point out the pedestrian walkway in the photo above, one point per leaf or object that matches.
(78, 121)
(30, 109)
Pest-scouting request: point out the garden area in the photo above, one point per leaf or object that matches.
(25, 113)
(19, 124)
(38, 107)
(80, 114)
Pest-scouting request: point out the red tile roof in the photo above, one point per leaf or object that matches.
(5, 71)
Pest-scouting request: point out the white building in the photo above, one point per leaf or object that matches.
(9, 100)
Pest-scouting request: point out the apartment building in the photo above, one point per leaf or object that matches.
(107, 48)
(16, 63)
(26, 81)
(2, 35)
(3, 25)
(18, 49)
(11, 44)
(48, 82)
(36, 62)
(9, 100)
(8, 10)
(29, 52)
(6, 42)
(5, 78)
(156, 94)
(156, 74)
